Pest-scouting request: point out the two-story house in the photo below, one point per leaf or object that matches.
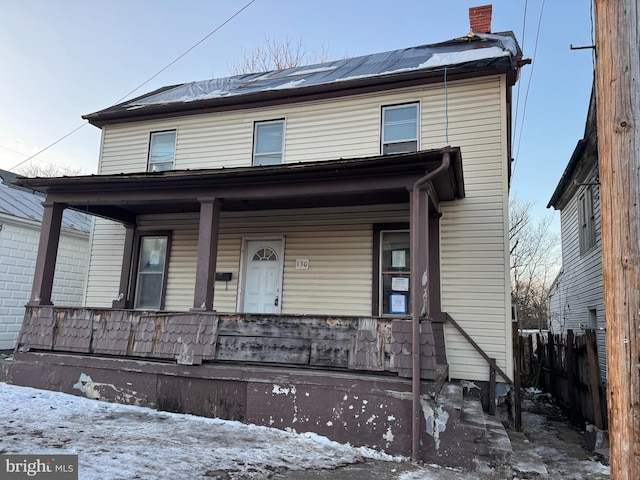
(316, 248)
(576, 298)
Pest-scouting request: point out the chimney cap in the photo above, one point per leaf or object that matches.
(480, 19)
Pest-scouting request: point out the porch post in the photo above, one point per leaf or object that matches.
(435, 303)
(207, 253)
(125, 273)
(47, 253)
(419, 258)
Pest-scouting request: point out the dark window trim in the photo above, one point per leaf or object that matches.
(175, 141)
(134, 264)
(375, 287)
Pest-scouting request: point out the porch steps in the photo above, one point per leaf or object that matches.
(471, 438)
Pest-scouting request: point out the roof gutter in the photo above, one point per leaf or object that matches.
(415, 287)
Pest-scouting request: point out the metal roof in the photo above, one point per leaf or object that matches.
(25, 203)
(473, 52)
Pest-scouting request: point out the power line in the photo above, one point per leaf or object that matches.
(15, 151)
(146, 81)
(188, 50)
(524, 23)
(526, 96)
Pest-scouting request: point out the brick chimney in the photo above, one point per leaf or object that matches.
(480, 19)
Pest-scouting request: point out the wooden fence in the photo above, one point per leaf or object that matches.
(566, 366)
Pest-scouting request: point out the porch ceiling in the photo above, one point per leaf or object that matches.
(359, 181)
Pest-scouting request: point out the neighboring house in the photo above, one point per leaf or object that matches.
(20, 221)
(339, 218)
(576, 297)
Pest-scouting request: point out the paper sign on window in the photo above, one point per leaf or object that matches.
(398, 259)
(400, 284)
(398, 303)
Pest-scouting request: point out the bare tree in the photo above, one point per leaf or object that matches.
(535, 260)
(277, 55)
(33, 169)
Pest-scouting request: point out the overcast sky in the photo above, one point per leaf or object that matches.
(65, 58)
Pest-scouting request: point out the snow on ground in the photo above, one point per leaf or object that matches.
(128, 442)
(117, 442)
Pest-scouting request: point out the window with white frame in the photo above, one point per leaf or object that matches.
(399, 128)
(162, 150)
(152, 271)
(586, 220)
(268, 140)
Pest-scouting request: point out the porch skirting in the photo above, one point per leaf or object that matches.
(364, 410)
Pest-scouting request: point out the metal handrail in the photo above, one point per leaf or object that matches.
(490, 361)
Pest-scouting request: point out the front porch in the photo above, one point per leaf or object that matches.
(369, 344)
(343, 377)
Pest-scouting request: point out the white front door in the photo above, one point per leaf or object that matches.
(263, 276)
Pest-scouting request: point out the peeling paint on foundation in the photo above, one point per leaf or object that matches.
(92, 390)
(436, 420)
(388, 436)
(278, 390)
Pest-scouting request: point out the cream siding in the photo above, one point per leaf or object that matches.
(320, 130)
(475, 284)
(338, 243)
(474, 264)
(105, 263)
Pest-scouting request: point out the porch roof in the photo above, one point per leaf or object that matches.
(357, 181)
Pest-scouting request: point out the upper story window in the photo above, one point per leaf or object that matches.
(162, 150)
(586, 221)
(400, 128)
(268, 142)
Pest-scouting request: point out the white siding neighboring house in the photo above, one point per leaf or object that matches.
(576, 297)
(20, 220)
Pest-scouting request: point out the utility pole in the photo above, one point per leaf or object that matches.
(618, 106)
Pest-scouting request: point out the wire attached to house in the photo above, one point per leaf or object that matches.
(145, 82)
(446, 107)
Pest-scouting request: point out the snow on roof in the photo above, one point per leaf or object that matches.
(24, 203)
(476, 50)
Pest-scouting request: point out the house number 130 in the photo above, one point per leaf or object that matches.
(302, 264)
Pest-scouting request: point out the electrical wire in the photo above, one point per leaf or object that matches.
(145, 82)
(524, 23)
(446, 107)
(526, 96)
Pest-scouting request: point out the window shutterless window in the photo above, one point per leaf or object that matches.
(400, 128)
(162, 149)
(267, 142)
(151, 273)
(587, 221)
(395, 273)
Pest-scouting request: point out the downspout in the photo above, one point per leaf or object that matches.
(415, 313)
